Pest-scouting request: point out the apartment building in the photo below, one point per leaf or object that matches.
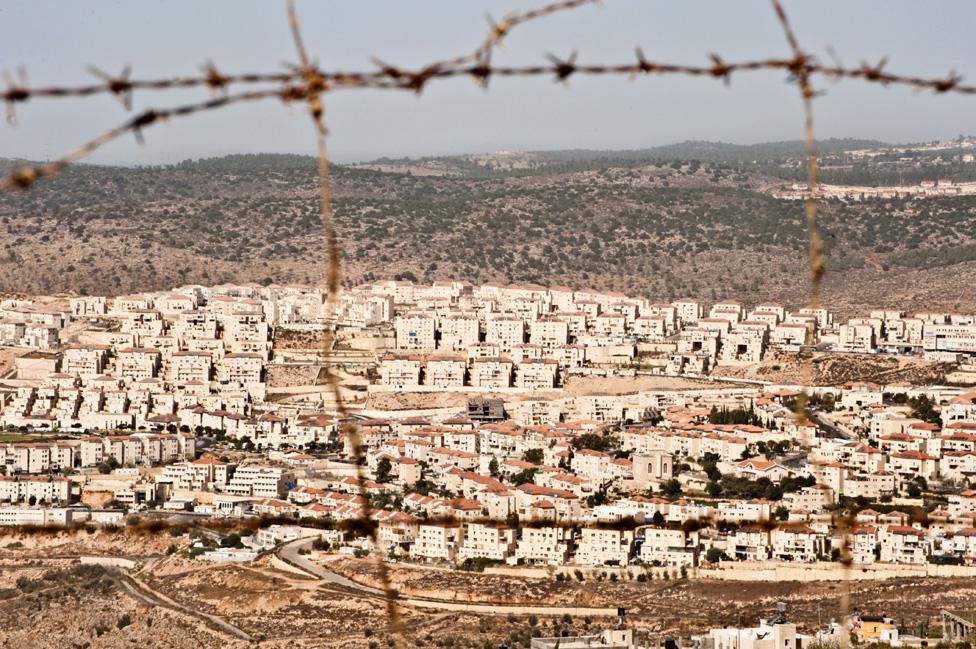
(797, 542)
(651, 328)
(40, 489)
(203, 474)
(459, 332)
(749, 542)
(549, 333)
(903, 544)
(136, 363)
(666, 547)
(544, 545)
(416, 332)
(537, 374)
(506, 332)
(486, 540)
(190, 367)
(260, 481)
(400, 370)
(491, 373)
(84, 360)
(445, 371)
(599, 547)
(437, 542)
(241, 368)
(140, 448)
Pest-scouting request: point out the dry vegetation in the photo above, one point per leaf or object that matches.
(837, 369)
(662, 228)
(54, 602)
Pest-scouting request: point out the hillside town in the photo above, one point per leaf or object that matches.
(158, 404)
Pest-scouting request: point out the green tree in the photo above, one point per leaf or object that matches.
(671, 488)
(533, 455)
(384, 469)
(924, 408)
(523, 476)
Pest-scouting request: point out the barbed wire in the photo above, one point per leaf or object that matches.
(390, 77)
(307, 82)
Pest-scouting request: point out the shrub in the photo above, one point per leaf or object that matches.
(124, 620)
(26, 584)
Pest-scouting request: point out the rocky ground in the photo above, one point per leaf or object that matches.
(48, 600)
(837, 369)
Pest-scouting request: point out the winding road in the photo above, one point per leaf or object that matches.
(289, 554)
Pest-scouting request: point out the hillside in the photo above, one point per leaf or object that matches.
(663, 228)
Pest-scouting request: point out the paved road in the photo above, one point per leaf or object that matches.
(823, 422)
(289, 553)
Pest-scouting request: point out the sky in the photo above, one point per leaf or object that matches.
(55, 41)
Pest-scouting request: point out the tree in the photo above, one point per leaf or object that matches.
(735, 416)
(523, 476)
(512, 520)
(32, 500)
(232, 540)
(108, 465)
(533, 455)
(773, 492)
(383, 470)
(493, 467)
(714, 555)
(924, 408)
(713, 489)
(671, 488)
(595, 442)
(658, 518)
(708, 464)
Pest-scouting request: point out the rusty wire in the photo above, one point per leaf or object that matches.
(816, 262)
(307, 82)
(315, 86)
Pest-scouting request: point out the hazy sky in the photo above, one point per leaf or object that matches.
(54, 41)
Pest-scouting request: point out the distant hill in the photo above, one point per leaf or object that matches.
(659, 227)
(715, 151)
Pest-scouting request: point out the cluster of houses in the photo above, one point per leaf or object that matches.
(452, 334)
(158, 402)
(925, 189)
(193, 358)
